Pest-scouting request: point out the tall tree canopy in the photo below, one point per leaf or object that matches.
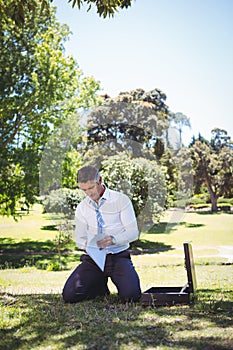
(134, 121)
(39, 88)
(17, 9)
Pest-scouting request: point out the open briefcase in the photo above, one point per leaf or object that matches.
(162, 296)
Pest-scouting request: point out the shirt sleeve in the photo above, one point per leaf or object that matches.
(80, 229)
(128, 219)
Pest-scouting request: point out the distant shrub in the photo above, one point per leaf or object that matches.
(224, 207)
(199, 199)
(227, 201)
(63, 201)
(201, 206)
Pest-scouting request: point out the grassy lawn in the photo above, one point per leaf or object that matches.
(33, 315)
(201, 228)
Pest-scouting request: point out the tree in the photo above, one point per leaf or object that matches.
(220, 139)
(134, 121)
(17, 9)
(39, 89)
(180, 120)
(215, 169)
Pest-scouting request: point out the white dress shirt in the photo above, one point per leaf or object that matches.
(119, 218)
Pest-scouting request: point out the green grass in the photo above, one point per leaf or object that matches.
(202, 229)
(33, 315)
(34, 226)
(33, 281)
(45, 322)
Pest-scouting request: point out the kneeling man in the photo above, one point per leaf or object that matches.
(105, 224)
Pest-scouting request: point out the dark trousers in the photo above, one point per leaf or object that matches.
(88, 281)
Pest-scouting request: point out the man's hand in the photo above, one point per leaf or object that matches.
(106, 242)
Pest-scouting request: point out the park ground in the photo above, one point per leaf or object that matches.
(33, 315)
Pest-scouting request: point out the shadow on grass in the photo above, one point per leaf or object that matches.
(44, 321)
(161, 227)
(41, 254)
(43, 262)
(44, 254)
(215, 301)
(10, 245)
(191, 225)
(144, 246)
(167, 227)
(49, 228)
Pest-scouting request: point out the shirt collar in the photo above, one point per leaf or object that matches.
(106, 193)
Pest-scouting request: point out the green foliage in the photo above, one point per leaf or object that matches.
(104, 8)
(202, 200)
(18, 9)
(199, 199)
(228, 201)
(70, 166)
(220, 139)
(134, 121)
(63, 202)
(40, 88)
(142, 180)
(60, 159)
(11, 190)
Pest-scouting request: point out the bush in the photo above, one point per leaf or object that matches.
(142, 180)
(224, 207)
(201, 206)
(227, 201)
(51, 265)
(199, 199)
(63, 201)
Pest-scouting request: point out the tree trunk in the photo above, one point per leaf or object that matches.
(213, 195)
(213, 199)
(140, 223)
(214, 206)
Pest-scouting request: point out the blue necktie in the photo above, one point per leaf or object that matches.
(100, 221)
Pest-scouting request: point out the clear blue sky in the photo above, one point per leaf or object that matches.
(184, 48)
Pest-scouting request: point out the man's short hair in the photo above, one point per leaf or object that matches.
(88, 173)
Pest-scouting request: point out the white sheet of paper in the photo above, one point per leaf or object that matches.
(98, 255)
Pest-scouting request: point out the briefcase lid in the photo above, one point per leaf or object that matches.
(189, 265)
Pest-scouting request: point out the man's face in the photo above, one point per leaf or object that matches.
(92, 189)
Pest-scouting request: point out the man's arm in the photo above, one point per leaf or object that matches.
(130, 231)
(129, 221)
(80, 231)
